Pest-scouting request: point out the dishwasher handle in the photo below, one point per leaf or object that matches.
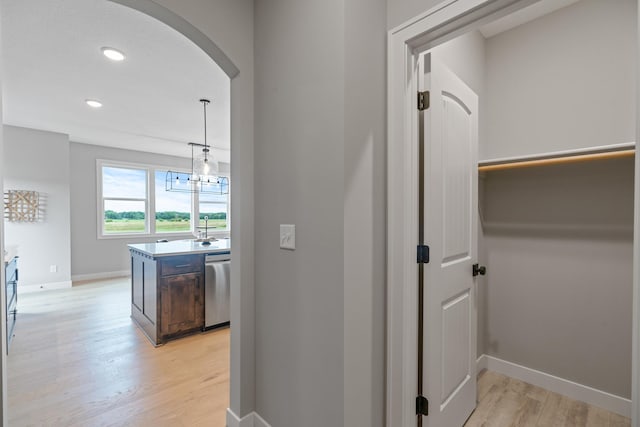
(224, 256)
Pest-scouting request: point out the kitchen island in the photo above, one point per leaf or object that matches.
(167, 286)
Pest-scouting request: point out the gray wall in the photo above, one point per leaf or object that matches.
(635, 379)
(559, 248)
(558, 240)
(3, 292)
(399, 11)
(90, 255)
(299, 128)
(39, 161)
(564, 81)
(364, 213)
(320, 108)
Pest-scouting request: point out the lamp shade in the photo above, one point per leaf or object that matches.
(205, 166)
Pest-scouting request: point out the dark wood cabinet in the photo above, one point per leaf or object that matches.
(182, 304)
(144, 294)
(167, 294)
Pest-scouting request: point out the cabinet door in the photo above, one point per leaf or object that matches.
(182, 304)
(137, 285)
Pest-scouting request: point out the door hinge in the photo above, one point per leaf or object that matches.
(423, 254)
(423, 100)
(422, 406)
(479, 269)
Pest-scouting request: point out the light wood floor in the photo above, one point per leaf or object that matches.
(78, 360)
(505, 402)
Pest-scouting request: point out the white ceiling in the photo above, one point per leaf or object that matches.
(52, 62)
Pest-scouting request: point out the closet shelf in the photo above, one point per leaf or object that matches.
(560, 157)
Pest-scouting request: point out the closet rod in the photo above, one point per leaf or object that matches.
(557, 160)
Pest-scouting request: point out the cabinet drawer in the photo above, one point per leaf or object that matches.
(180, 265)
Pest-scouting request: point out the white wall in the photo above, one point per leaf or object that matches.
(39, 161)
(90, 256)
(564, 81)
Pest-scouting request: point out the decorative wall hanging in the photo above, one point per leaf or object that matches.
(21, 206)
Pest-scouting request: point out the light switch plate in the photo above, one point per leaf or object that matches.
(288, 236)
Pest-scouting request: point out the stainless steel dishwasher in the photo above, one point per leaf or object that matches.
(217, 268)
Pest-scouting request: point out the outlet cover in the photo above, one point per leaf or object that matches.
(288, 236)
(53, 269)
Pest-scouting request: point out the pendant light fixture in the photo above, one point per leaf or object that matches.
(204, 170)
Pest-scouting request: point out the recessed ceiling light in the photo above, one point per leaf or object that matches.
(113, 54)
(93, 103)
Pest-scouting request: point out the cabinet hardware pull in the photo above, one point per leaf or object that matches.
(182, 265)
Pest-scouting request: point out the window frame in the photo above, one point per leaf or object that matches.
(150, 201)
(196, 211)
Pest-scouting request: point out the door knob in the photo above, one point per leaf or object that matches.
(479, 269)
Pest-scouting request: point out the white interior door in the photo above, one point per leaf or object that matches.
(450, 134)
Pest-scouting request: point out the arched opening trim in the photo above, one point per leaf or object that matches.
(181, 25)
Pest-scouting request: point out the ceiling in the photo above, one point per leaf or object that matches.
(52, 62)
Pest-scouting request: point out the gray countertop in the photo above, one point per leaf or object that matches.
(182, 247)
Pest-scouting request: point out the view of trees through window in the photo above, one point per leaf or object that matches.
(173, 210)
(126, 202)
(124, 196)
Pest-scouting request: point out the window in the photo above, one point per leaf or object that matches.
(133, 200)
(124, 200)
(173, 210)
(213, 210)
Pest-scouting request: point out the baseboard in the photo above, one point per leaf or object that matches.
(592, 396)
(259, 421)
(100, 276)
(234, 421)
(249, 420)
(481, 363)
(26, 289)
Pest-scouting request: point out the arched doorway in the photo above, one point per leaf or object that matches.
(243, 192)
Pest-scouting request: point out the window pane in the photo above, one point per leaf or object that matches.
(124, 182)
(173, 210)
(122, 216)
(215, 208)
